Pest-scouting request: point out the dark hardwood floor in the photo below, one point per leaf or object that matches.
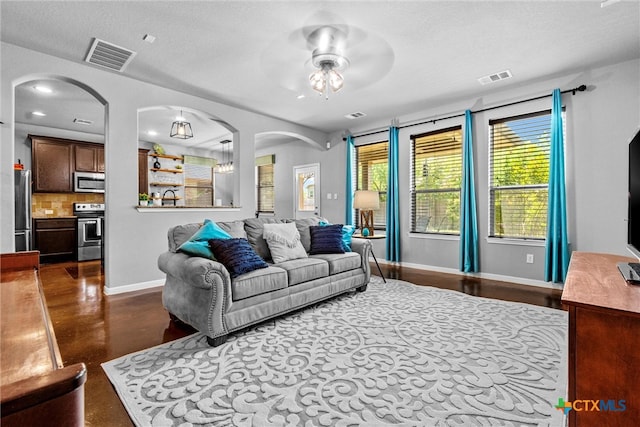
(94, 328)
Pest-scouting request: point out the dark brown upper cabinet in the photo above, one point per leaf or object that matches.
(54, 160)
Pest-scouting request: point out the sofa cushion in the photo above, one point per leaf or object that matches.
(254, 227)
(258, 282)
(198, 244)
(236, 255)
(326, 239)
(339, 263)
(234, 228)
(304, 269)
(284, 242)
(181, 233)
(303, 228)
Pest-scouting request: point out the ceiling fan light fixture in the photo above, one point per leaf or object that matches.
(181, 128)
(327, 77)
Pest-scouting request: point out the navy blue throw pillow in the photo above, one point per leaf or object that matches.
(326, 239)
(236, 255)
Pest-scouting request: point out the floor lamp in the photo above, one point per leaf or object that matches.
(366, 202)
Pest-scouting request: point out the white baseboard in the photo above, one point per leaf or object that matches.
(489, 276)
(133, 287)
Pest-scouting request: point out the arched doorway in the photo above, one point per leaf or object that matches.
(64, 116)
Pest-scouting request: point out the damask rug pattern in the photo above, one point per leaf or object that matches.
(397, 354)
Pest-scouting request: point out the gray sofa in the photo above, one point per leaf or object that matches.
(200, 292)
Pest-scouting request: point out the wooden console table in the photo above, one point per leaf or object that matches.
(604, 341)
(36, 388)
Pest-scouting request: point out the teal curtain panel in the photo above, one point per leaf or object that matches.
(393, 200)
(348, 194)
(557, 244)
(468, 217)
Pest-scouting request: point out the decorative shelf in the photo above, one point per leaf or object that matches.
(165, 156)
(166, 184)
(166, 170)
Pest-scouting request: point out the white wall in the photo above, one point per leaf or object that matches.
(332, 175)
(133, 239)
(600, 123)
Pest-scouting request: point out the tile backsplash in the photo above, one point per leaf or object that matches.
(60, 203)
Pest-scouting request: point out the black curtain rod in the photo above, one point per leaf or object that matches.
(573, 91)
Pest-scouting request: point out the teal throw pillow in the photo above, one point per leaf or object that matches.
(347, 232)
(198, 244)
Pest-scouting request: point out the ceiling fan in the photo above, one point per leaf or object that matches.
(325, 57)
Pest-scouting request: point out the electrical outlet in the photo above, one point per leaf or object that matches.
(328, 196)
(48, 211)
(335, 196)
(529, 258)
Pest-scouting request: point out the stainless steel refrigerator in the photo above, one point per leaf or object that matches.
(23, 210)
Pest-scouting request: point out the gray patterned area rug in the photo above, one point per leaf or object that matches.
(397, 355)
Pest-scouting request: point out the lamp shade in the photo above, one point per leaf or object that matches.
(366, 199)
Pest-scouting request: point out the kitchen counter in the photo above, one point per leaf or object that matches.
(169, 208)
(55, 217)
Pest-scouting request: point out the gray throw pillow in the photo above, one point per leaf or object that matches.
(284, 242)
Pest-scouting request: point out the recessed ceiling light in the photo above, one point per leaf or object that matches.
(300, 96)
(149, 38)
(38, 113)
(43, 89)
(152, 132)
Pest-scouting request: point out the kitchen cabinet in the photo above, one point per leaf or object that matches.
(88, 157)
(143, 175)
(52, 163)
(55, 238)
(54, 160)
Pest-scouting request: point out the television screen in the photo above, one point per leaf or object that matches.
(633, 231)
(631, 270)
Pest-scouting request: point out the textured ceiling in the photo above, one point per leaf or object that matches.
(405, 56)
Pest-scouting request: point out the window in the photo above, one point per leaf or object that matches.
(264, 192)
(198, 184)
(373, 167)
(436, 162)
(519, 176)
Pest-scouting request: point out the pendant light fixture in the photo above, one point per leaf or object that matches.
(181, 128)
(226, 165)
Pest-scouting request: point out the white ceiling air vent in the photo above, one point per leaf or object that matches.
(108, 55)
(506, 74)
(355, 115)
(83, 122)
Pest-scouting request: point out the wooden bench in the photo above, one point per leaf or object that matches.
(35, 389)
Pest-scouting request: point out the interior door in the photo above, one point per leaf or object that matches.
(306, 188)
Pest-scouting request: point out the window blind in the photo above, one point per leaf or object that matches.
(198, 181)
(519, 175)
(372, 174)
(265, 193)
(436, 174)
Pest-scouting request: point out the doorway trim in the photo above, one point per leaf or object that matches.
(315, 169)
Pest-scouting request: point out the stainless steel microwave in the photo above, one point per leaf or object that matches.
(88, 182)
